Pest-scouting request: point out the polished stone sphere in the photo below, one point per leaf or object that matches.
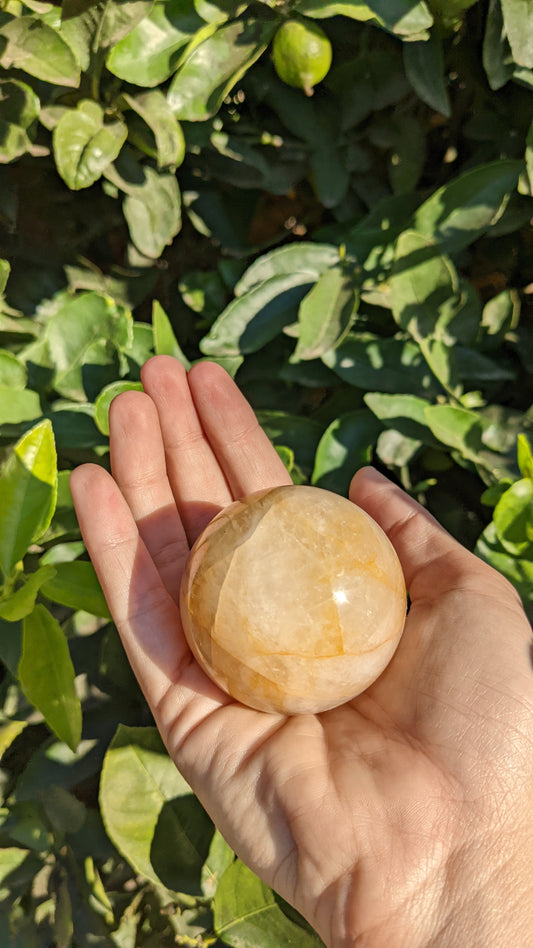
(293, 600)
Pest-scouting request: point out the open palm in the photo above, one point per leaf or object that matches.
(371, 819)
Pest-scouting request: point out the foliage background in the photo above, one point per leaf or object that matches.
(361, 262)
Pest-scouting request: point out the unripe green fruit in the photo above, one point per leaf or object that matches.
(302, 54)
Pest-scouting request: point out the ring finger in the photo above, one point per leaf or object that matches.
(138, 467)
(198, 483)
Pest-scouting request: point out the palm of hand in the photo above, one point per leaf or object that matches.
(348, 814)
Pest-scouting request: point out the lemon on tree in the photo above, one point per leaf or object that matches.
(301, 53)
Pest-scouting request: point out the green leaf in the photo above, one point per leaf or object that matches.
(312, 374)
(9, 733)
(302, 257)
(220, 856)
(298, 114)
(10, 645)
(518, 22)
(395, 450)
(14, 607)
(46, 675)
(13, 373)
(497, 59)
(424, 67)
(106, 396)
(150, 53)
(513, 518)
(19, 104)
(150, 813)
(501, 313)
(443, 362)
(74, 427)
(141, 346)
(408, 154)
(19, 107)
(518, 571)
(83, 337)
(422, 283)
(84, 144)
(456, 427)
(403, 413)
(403, 17)
(346, 445)
(523, 76)
(28, 491)
(448, 13)
(247, 914)
(325, 8)
(492, 494)
(502, 427)
(214, 66)
(299, 434)
(75, 585)
(373, 363)
(153, 212)
(36, 48)
(11, 859)
(65, 812)
(252, 320)
(62, 552)
(331, 177)
(524, 456)
(459, 212)
(218, 11)
(5, 270)
(64, 497)
(372, 239)
(153, 108)
(17, 406)
(325, 314)
(473, 365)
(63, 915)
(105, 22)
(204, 292)
(25, 825)
(165, 342)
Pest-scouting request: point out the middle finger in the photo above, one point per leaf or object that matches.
(197, 480)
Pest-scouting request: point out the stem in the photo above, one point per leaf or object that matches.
(95, 72)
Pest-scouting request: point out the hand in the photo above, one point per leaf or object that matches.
(402, 818)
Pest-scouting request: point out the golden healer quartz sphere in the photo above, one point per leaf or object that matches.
(293, 600)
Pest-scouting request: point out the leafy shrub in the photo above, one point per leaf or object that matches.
(360, 260)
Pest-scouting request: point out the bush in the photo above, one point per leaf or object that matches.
(359, 259)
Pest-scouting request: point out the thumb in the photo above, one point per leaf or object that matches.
(432, 561)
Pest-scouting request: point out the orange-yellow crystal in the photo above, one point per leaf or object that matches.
(293, 600)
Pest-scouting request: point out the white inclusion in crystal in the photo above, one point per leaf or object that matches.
(339, 596)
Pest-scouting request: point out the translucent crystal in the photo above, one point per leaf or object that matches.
(293, 600)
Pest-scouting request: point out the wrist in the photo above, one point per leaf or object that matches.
(480, 895)
(489, 899)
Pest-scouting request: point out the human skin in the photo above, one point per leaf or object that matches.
(402, 819)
